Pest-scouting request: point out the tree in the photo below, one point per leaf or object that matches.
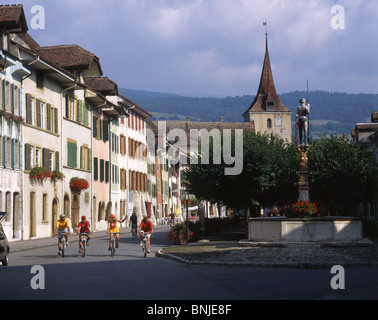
(268, 176)
(341, 172)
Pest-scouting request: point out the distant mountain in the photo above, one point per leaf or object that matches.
(332, 112)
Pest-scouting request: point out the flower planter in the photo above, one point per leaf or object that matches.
(282, 229)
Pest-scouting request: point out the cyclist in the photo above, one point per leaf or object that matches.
(84, 227)
(134, 222)
(146, 226)
(62, 226)
(112, 228)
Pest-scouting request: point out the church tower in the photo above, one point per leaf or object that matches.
(267, 110)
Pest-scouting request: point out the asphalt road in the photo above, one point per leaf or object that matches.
(130, 276)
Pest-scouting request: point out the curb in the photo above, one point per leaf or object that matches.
(297, 265)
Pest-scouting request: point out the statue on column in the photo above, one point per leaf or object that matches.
(302, 119)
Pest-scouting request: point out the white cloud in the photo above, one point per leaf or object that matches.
(218, 45)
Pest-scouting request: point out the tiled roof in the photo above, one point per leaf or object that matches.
(12, 17)
(68, 56)
(267, 92)
(102, 84)
(26, 40)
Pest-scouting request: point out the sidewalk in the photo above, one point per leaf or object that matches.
(17, 246)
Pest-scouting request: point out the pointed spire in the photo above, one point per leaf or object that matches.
(267, 98)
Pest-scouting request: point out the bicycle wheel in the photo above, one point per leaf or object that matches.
(112, 249)
(145, 248)
(63, 247)
(84, 244)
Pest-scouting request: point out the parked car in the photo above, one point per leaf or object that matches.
(4, 247)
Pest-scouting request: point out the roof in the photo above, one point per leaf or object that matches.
(186, 126)
(12, 17)
(70, 56)
(266, 92)
(25, 40)
(102, 84)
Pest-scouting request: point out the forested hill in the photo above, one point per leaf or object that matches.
(333, 112)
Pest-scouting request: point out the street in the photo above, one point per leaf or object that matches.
(130, 276)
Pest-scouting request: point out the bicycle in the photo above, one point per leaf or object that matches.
(134, 231)
(145, 243)
(63, 242)
(113, 242)
(84, 242)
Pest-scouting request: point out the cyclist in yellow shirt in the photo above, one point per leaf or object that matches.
(62, 229)
(112, 228)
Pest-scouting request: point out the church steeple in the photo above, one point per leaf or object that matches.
(266, 98)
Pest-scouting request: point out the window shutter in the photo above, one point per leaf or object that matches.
(48, 114)
(102, 170)
(80, 111)
(27, 156)
(28, 109)
(85, 116)
(94, 127)
(12, 98)
(67, 106)
(38, 106)
(4, 94)
(82, 157)
(56, 120)
(95, 169)
(13, 153)
(21, 155)
(90, 159)
(57, 160)
(106, 171)
(105, 124)
(45, 158)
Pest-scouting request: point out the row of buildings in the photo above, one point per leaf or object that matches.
(71, 143)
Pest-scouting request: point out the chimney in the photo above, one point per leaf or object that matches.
(221, 119)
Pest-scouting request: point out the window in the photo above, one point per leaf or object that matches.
(71, 108)
(40, 80)
(38, 157)
(270, 106)
(85, 158)
(269, 123)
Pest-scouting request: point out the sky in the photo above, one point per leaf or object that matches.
(216, 47)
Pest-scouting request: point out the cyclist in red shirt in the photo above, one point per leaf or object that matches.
(146, 226)
(84, 227)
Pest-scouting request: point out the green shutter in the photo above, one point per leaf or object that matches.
(29, 109)
(106, 171)
(4, 94)
(82, 157)
(12, 97)
(13, 153)
(85, 115)
(95, 169)
(67, 107)
(71, 154)
(80, 111)
(105, 130)
(21, 155)
(90, 159)
(102, 170)
(94, 128)
(5, 151)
